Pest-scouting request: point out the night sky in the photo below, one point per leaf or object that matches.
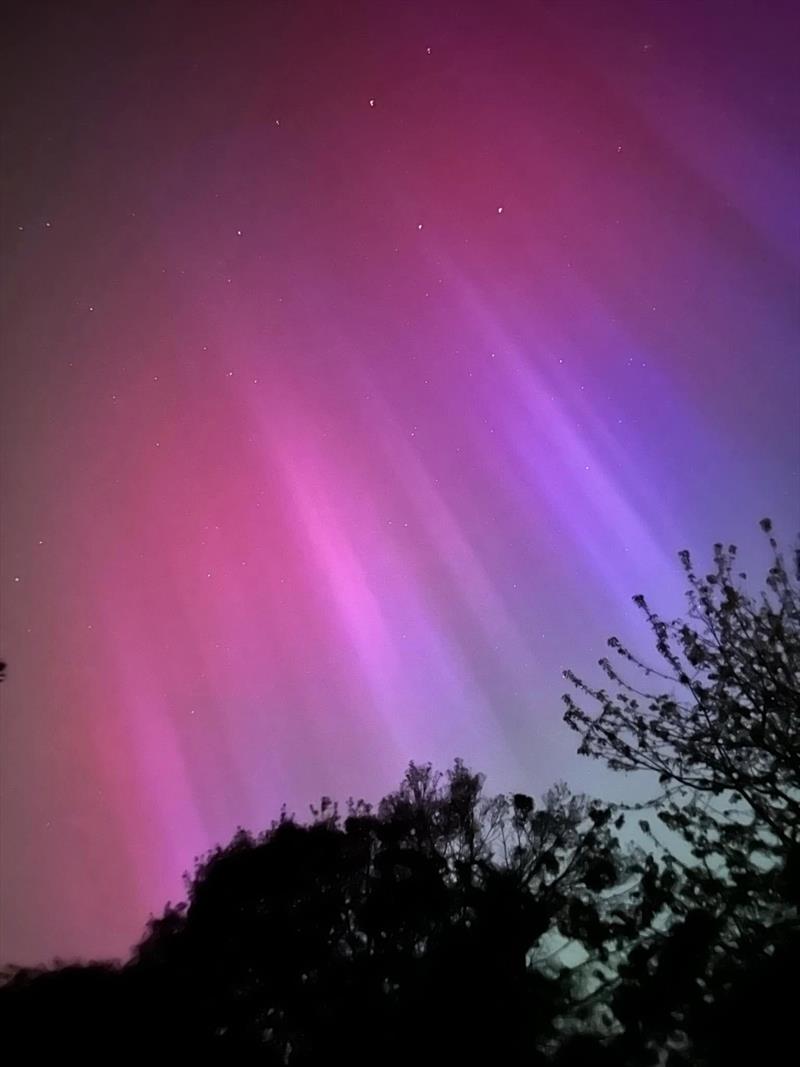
(360, 362)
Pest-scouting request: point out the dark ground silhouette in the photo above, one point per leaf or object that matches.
(448, 926)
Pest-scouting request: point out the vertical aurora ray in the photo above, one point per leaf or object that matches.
(360, 364)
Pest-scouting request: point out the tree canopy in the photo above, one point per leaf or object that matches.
(449, 925)
(717, 720)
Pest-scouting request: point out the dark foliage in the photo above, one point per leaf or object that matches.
(712, 972)
(447, 926)
(418, 930)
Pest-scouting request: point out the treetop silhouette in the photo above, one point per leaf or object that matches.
(449, 925)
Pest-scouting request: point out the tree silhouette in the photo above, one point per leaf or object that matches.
(446, 925)
(723, 738)
(368, 935)
(414, 931)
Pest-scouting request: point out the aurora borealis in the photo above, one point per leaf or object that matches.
(360, 361)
